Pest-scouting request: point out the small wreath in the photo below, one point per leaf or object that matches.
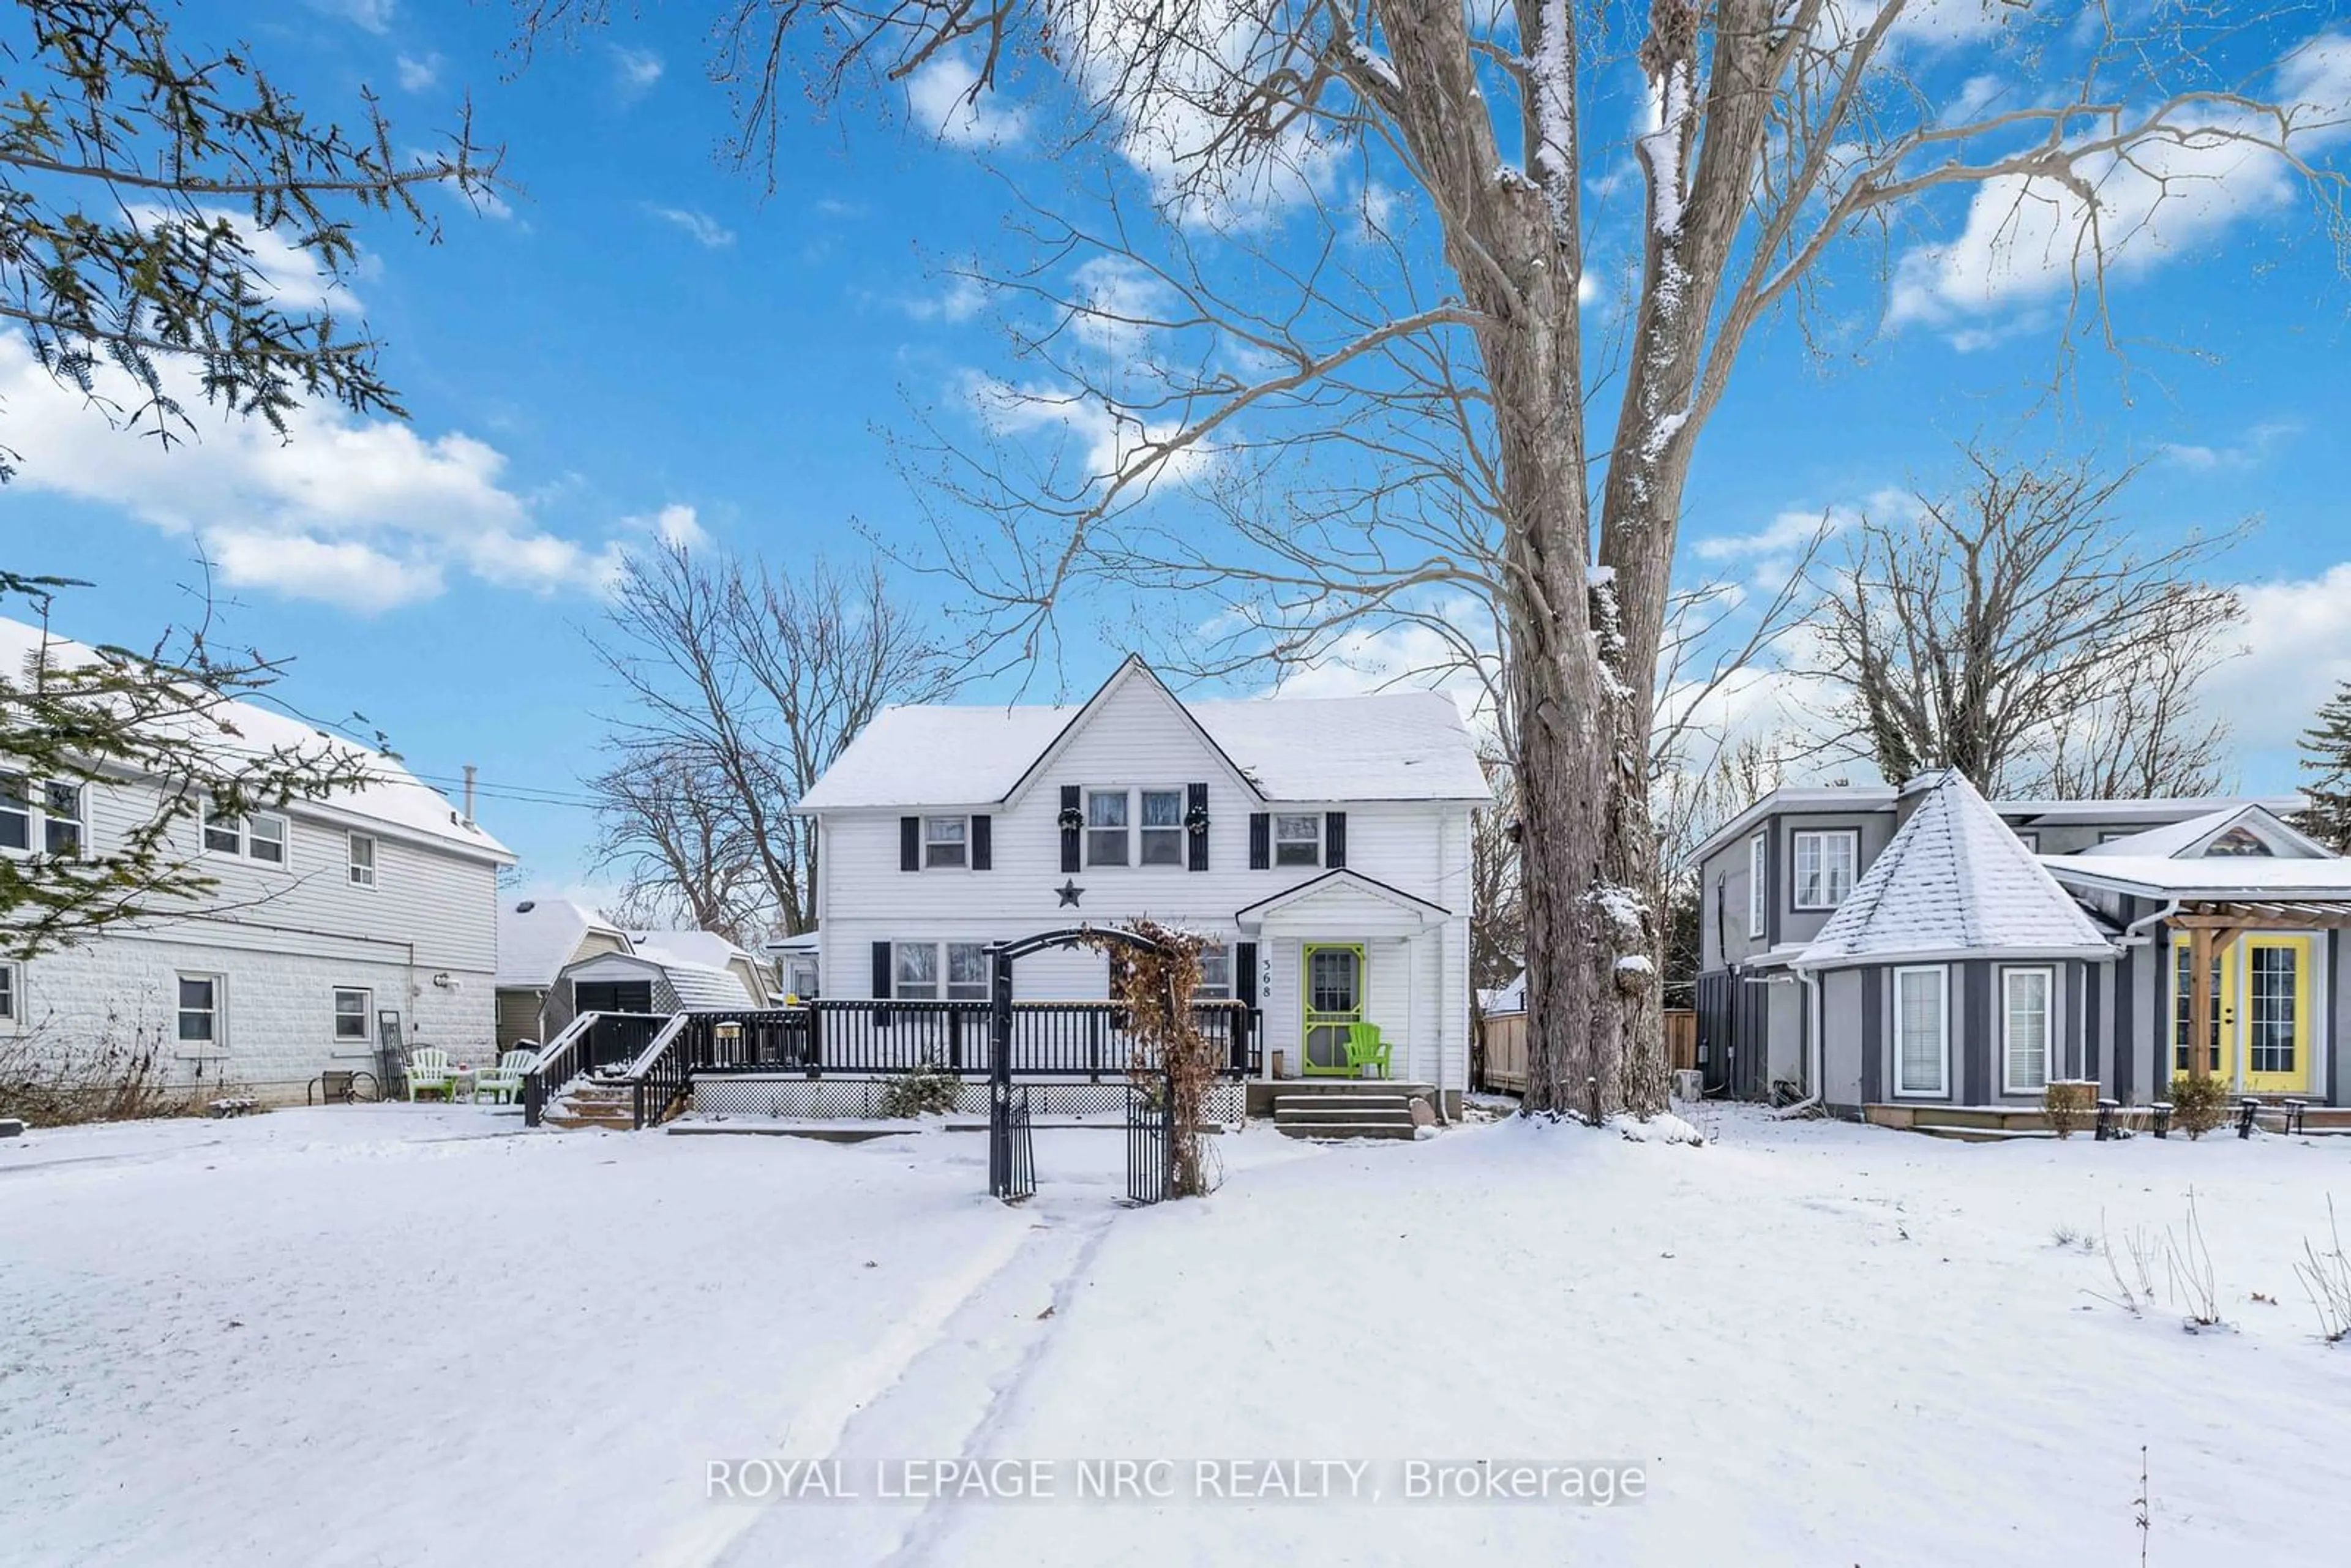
(1072, 819)
(1197, 820)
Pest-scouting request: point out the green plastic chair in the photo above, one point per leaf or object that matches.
(428, 1069)
(1367, 1049)
(502, 1084)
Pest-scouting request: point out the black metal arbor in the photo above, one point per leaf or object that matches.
(1011, 1154)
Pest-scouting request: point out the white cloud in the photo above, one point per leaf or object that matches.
(2297, 650)
(416, 75)
(364, 513)
(939, 99)
(1403, 656)
(1078, 427)
(636, 70)
(705, 230)
(2260, 443)
(375, 16)
(2028, 241)
(962, 299)
(675, 525)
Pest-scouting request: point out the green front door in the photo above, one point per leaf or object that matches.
(1334, 995)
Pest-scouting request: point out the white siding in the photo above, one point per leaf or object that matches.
(423, 941)
(1139, 739)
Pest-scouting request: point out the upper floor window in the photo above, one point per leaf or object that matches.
(1298, 839)
(1826, 861)
(2238, 840)
(362, 860)
(2030, 838)
(1758, 896)
(1106, 825)
(1216, 984)
(48, 819)
(1163, 827)
(260, 837)
(946, 841)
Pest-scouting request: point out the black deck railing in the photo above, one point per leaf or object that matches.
(1049, 1039)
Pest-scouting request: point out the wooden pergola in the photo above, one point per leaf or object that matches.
(2213, 927)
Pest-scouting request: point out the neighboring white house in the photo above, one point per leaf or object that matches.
(1322, 846)
(337, 927)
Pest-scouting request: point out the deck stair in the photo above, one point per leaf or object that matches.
(1347, 1108)
(593, 1102)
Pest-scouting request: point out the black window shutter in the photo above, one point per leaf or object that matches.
(983, 842)
(910, 844)
(1261, 839)
(1195, 802)
(881, 982)
(1334, 839)
(1070, 837)
(1245, 973)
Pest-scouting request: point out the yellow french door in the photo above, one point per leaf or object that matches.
(2274, 1015)
(2262, 988)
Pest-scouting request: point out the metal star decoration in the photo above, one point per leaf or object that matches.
(1070, 892)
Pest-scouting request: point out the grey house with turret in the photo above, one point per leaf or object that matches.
(1879, 947)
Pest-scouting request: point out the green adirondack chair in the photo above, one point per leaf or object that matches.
(502, 1084)
(428, 1069)
(1365, 1049)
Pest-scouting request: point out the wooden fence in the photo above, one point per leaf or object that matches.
(1502, 1041)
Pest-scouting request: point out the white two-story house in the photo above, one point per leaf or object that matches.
(336, 929)
(1321, 845)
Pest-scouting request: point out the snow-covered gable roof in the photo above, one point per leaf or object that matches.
(1391, 745)
(1955, 883)
(2180, 840)
(706, 949)
(697, 985)
(2210, 877)
(394, 797)
(537, 936)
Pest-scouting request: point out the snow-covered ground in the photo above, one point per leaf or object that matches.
(414, 1335)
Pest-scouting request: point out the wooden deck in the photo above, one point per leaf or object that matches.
(2002, 1123)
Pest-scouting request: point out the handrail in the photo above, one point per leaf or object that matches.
(557, 1063)
(656, 1046)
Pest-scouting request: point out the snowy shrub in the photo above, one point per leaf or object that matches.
(2199, 1104)
(121, 1076)
(2327, 1280)
(929, 1090)
(2068, 1104)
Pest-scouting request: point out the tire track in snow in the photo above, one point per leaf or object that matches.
(822, 1419)
(947, 1401)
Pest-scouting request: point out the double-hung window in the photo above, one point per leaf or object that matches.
(1107, 827)
(1216, 983)
(61, 818)
(2026, 998)
(1758, 893)
(1827, 860)
(1922, 1033)
(15, 812)
(260, 837)
(362, 864)
(966, 971)
(351, 1008)
(200, 1011)
(946, 841)
(12, 995)
(1298, 838)
(915, 966)
(46, 817)
(1163, 827)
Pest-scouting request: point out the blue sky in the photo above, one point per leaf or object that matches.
(646, 339)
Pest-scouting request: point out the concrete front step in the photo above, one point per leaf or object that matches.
(1339, 1104)
(570, 1122)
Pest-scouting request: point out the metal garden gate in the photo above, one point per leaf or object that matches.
(1150, 1149)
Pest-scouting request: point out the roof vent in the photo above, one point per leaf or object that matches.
(525, 906)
